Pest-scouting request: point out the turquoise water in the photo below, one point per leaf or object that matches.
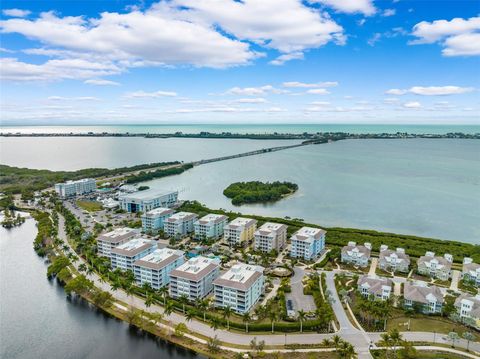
(245, 128)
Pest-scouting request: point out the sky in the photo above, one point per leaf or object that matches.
(244, 61)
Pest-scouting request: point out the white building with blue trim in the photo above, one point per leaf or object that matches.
(126, 254)
(154, 219)
(144, 201)
(307, 243)
(210, 226)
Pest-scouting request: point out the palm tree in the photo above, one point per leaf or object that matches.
(336, 340)
(115, 285)
(149, 300)
(130, 291)
(164, 291)
(273, 316)
(214, 323)
(203, 306)
(468, 337)
(156, 317)
(82, 267)
(190, 315)
(184, 300)
(147, 287)
(326, 342)
(347, 350)
(246, 319)
(168, 308)
(396, 339)
(301, 318)
(227, 312)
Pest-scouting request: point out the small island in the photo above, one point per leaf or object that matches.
(258, 192)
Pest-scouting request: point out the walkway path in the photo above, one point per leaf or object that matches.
(455, 278)
(373, 267)
(358, 339)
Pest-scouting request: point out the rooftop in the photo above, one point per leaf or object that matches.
(196, 268)
(117, 234)
(161, 211)
(270, 228)
(308, 233)
(134, 246)
(212, 218)
(421, 293)
(159, 258)
(181, 216)
(241, 222)
(147, 194)
(240, 276)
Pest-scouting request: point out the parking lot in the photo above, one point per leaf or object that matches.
(299, 301)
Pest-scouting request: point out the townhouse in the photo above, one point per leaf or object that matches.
(427, 299)
(154, 268)
(357, 255)
(123, 256)
(154, 219)
(435, 266)
(379, 288)
(194, 279)
(107, 241)
(270, 236)
(471, 271)
(307, 243)
(240, 231)
(179, 224)
(240, 288)
(393, 261)
(210, 226)
(468, 307)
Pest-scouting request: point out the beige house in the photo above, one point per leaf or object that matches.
(435, 266)
(393, 261)
(429, 299)
(270, 236)
(357, 255)
(378, 287)
(240, 231)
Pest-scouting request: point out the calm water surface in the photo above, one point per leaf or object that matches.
(37, 321)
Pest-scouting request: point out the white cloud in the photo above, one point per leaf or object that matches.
(227, 109)
(79, 98)
(412, 105)
(254, 91)
(101, 82)
(374, 39)
(53, 70)
(251, 100)
(156, 94)
(287, 57)
(318, 92)
(16, 12)
(391, 100)
(310, 85)
(459, 37)
(285, 25)
(431, 90)
(389, 12)
(365, 7)
(320, 103)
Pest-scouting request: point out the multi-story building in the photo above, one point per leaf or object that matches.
(435, 267)
(429, 299)
(76, 188)
(240, 231)
(270, 236)
(393, 261)
(379, 288)
(179, 224)
(194, 279)
(107, 241)
(239, 288)
(154, 219)
(144, 201)
(356, 255)
(126, 254)
(468, 307)
(307, 243)
(210, 226)
(471, 271)
(154, 268)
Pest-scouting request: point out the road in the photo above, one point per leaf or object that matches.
(360, 340)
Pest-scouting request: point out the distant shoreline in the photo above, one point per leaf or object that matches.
(311, 137)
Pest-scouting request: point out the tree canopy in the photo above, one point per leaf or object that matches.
(256, 191)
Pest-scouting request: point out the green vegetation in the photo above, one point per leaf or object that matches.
(90, 206)
(25, 180)
(336, 236)
(46, 231)
(147, 176)
(10, 220)
(256, 191)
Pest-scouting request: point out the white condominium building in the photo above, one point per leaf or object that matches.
(210, 226)
(270, 236)
(240, 231)
(144, 201)
(107, 241)
(239, 288)
(356, 255)
(154, 219)
(179, 224)
(126, 254)
(194, 278)
(155, 267)
(76, 188)
(471, 271)
(307, 243)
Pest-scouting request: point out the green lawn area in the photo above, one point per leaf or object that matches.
(90, 206)
(429, 324)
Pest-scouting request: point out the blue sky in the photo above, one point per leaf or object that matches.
(224, 61)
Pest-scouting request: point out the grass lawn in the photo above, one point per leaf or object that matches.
(429, 324)
(422, 354)
(90, 206)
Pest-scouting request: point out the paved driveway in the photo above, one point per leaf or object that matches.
(300, 301)
(455, 278)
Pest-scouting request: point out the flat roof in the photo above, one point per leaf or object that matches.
(159, 258)
(196, 268)
(270, 228)
(306, 233)
(180, 216)
(241, 222)
(159, 211)
(240, 276)
(212, 217)
(147, 194)
(134, 246)
(117, 234)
